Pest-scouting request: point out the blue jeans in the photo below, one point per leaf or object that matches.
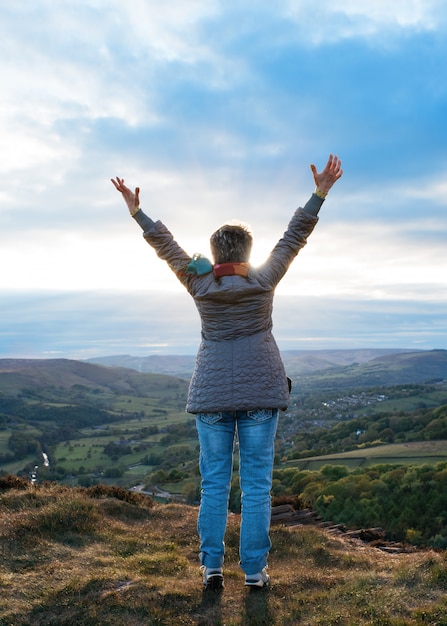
(256, 432)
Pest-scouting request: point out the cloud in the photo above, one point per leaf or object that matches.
(83, 325)
(216, 110)
(331, 322)
(378, 20)
(403, 13)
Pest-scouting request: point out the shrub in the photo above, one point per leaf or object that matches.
(13, 482)
(55, 519)
(106, 491)
(294, 501)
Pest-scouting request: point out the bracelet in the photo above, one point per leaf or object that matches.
(135, 211)
(320, 194)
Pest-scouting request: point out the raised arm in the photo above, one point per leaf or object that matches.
(302, 223)
(156, 234)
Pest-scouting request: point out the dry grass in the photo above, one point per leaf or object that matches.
(76, 557)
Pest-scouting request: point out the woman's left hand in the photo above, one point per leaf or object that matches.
(131, 199)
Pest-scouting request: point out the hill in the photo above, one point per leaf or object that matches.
(81, 419)
(313, 369)
(173, 365)
(330, 368)
(17, 375)
(302, 362)
(90, 419)
(106, 557)
(384, 371)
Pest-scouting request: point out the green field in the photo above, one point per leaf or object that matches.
(4, 438)
(395, 453)
(83, 454)
(88, 450)
(434, 396)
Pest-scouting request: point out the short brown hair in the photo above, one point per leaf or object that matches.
(231, 243)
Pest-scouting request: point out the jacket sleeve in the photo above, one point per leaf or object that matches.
(295, 237)
(162, 241)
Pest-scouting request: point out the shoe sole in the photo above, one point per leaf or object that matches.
(214, 583)
(257, 583)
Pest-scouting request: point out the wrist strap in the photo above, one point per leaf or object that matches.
(320, 194)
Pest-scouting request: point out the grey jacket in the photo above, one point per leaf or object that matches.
(238, 365)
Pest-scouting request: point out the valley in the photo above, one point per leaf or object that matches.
(83, 424)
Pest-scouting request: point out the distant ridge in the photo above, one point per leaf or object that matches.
(404, 368)
(18, 374)
(302, 361)
(174, 365)
(338, 369)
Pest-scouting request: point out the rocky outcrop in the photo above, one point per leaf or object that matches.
(286, 515)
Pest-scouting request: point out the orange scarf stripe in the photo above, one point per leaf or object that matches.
(231, 269)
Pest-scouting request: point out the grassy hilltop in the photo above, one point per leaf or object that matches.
(105, 556)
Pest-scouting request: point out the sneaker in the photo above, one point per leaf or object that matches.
(212, 578)
(261, 579)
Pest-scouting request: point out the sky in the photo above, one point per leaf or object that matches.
(216, 109)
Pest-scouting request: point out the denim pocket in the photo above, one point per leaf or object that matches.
(262, 415)
(209, 418)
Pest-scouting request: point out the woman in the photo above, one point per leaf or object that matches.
(239, 383)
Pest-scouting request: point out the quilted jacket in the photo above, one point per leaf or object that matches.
(238, 365)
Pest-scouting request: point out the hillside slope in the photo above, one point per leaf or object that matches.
(19, 374)
(106, 557)
(387, 370)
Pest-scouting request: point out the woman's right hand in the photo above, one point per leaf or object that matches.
(331, 173)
